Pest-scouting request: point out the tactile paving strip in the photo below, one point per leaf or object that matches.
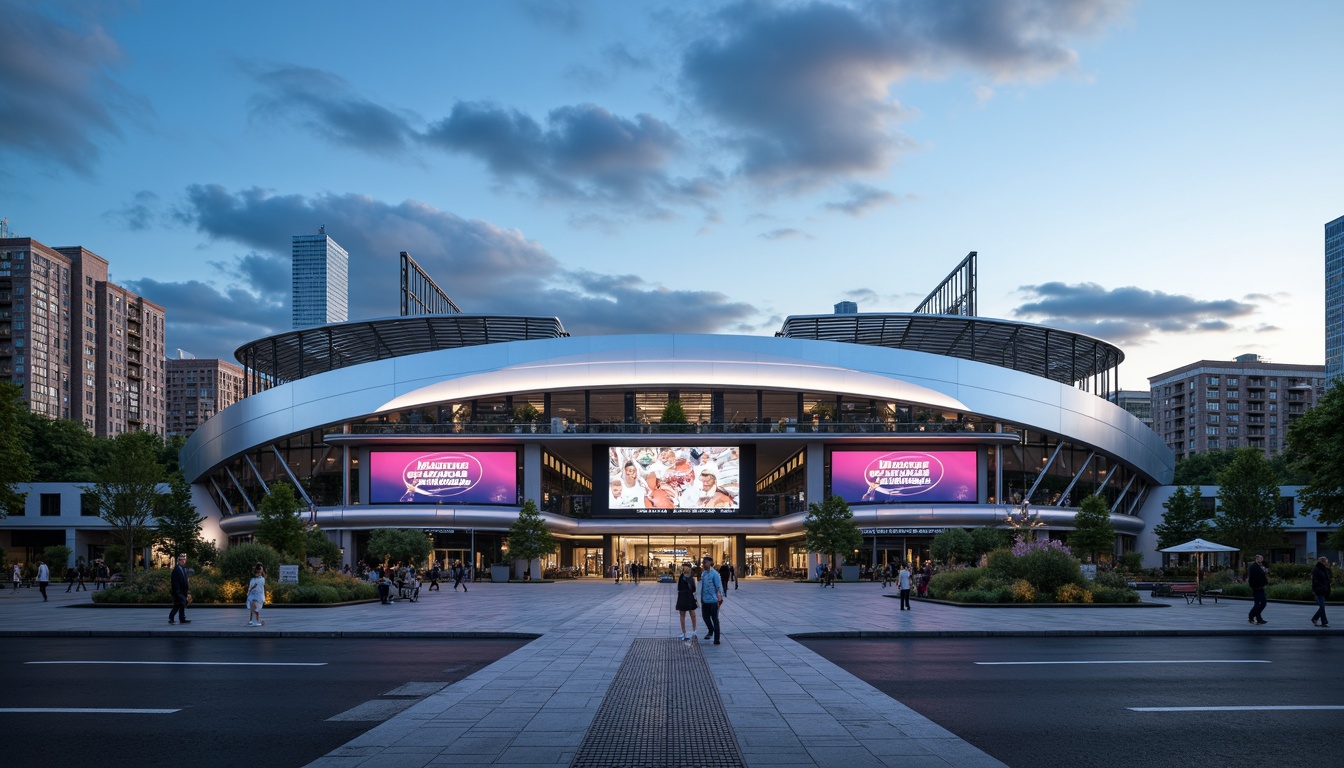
(662, 711)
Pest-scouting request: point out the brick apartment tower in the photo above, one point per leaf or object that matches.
(198, 389)
(82, 348)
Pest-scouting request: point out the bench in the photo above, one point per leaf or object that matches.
(1193, 594)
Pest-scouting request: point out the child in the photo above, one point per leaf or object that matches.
(256, 596)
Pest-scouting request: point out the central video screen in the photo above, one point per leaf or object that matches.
(674, 479)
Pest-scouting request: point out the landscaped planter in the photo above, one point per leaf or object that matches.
(499, 573)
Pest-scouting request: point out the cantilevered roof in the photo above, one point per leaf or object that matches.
(296, 354)
(1064, 356)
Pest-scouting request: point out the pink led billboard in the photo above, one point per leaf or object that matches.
(443, 477)
(877, 477)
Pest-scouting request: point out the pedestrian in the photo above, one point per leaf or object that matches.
(16, 576)
(686, 600)
(1320, 586)
(711, 596)
(43, 576)
(71, 576)
(886, 575)
(459, 571)
(434, 574)
(104, 574)
(181, 589)
(903, 584)
(81, 570)
(1257, 575)
(925, 578)
(256, 596)
(634, 574)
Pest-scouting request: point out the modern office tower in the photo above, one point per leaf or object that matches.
(1216, 405)
(81, 347)
(1334, 301)
(846, 308)
(1137, 401)
(321, 283)
(198, 389)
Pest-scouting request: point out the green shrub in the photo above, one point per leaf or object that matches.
(1107, 594)
(1237, 590)
(1111, 579)
(1220, 580)
(1072, 593)
(1004, 564)
(1290, 571)
(942, 585)
(1049, 569)
(1131, 562)
(1292, 590)
(977, 596)
(237, 562)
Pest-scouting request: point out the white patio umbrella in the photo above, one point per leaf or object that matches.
(1199, 547)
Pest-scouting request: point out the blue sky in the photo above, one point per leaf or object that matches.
(1156, 174)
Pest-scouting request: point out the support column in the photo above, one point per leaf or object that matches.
(815, 467)
(532, 472)
(608, 554)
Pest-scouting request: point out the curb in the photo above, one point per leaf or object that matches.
(272, 633)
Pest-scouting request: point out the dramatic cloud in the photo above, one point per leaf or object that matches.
(328, 106)
(1127, 314)
(862, 198)
(139, 214)
(484, 268)
(56, 92)
(805, 89)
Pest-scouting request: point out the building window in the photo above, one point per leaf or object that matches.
(49, 504)
(88, 505)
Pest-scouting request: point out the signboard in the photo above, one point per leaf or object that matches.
(703, 480)
(900, 531)
(882, 477)
(443, 477)
(289, 574)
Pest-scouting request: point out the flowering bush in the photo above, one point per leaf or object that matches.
(1021, 547)
(1022, 591)
(1072, 593)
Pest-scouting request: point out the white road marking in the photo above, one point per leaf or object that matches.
(1135, 661)
(199, 663)
(87, 710)
(1236, 709)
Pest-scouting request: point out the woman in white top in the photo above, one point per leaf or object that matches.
(256, 596)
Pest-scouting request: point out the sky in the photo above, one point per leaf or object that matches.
(1156, 174)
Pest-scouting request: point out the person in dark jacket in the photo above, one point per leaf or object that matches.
(181, 589)
(1257, 576)
(686, 603)
(1320, 586)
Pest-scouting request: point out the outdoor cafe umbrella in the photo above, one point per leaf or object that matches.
(1199, 547)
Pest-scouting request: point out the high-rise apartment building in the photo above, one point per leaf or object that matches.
(1216, 405)
(81, 347)
(1334, 301)
(321, 282)
(198, 389)
(1137, 401)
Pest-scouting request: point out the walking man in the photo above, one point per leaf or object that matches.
(458, 572)
(1257, 576)
(43, 576)
(903, 584)
(181, 591)
(711, 595)
(1320, 586)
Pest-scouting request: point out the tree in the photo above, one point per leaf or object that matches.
(128, 492)
(674, 418)
(1201, 468)
(528, 537)
(1248, 500)
(1316, 447)
(179, 528)
(986, 539)
(398, 545)
(62, 450)
(279, 524)
(14, 464)
(1093, 533)
(830, 528)
(952, 545)
(1183, 520)
(322, 549)
(57, 557)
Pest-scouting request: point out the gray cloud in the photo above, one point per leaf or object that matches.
(140, 214)
(1127, 314)
(328, 106)
(56, 89)
(862, 198)
(804, 90)
(784, 233)
(562, 15)
(485, 269)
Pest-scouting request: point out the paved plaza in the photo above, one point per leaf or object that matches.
(786, 705)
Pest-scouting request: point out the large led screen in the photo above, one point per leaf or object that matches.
(443, 477)
(876, 477)
(647, 480)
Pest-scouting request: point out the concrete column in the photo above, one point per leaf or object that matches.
(532, 472)
(815, 467)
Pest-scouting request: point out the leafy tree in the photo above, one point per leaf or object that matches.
(1183, 519)
(528, 537)
(279, 524)
(179, 528)
(398, 545)
(952, 546)
(323, 549)
(830, 528)
(1093, 533)
(14, 464)
(128, 492)
(1248, 499)
(674, 418)
(206, 553)
(987, 539)
(57, 557)
(1316, 448)
(1201, 468)
(62, 450)
(237, 562)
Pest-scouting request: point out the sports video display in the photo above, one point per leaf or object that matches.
(879, 477)
(443, 477)
(644, 480)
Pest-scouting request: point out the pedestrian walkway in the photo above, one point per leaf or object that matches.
(785, 704)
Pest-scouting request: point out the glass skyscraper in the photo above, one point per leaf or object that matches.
(1334, 301)
(321, 282)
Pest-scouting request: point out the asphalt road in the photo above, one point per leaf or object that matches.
(227, 701)
(1048, 702)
